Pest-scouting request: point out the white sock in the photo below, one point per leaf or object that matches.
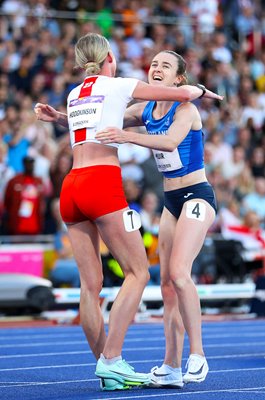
(109, 361)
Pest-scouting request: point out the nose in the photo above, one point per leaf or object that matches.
(157, 69)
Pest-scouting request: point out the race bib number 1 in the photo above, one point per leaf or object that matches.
(131, 220)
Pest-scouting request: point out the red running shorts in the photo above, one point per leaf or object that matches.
(90, 192)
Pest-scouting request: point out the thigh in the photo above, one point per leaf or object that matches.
(195, 219)
(166, 236)
(85, 243)
(126, 247)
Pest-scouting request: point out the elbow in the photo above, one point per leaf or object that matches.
(187, 96)
(171, 147)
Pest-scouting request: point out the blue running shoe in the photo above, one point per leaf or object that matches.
(121, 372)
(111, 384)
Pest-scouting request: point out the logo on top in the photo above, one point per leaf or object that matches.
(87, 85)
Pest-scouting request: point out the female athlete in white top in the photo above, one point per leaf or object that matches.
(93, 203)
(175, 135)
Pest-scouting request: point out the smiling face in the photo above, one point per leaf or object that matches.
(168, 69)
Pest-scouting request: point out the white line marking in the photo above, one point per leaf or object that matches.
(170, 393)
(83, 342)
(133, 340)
(138, 361)
(82, 365)
(157, 329)
(179, 393)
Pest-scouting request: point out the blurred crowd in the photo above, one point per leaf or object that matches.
(223, 42)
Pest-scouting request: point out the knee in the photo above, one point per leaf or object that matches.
(92, 287)
(180, 280)
(143, 277)
(169, 294)
(167, 289)
(143, 274)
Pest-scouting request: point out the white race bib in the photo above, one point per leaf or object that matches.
(167, 161)
(131, 220)
(196, 210)
(85, 112)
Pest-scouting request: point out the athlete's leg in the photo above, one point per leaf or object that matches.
(191, 229)
(85, 243)
(127, 248)
(173, 325)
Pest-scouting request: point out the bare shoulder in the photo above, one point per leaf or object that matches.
(187, 107)
(189, 112)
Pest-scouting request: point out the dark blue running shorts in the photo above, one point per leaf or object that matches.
(174, 199)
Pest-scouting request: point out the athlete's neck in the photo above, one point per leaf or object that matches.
(161, 108)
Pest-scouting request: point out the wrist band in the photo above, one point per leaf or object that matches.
(203, 88)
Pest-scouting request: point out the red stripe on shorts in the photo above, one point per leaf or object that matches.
(86, 89)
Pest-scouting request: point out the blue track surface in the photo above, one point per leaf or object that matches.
(55, 363)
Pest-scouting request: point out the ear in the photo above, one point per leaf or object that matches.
(110, 57)
(178, 80)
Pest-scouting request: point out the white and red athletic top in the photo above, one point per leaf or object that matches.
(100, 101)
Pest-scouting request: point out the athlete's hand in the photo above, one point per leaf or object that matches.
(112, 135)
(211, 95)
(46, 113)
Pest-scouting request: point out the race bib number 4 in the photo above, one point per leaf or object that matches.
(196, 210)
(131, 220)
(85, 112)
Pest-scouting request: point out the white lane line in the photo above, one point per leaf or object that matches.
(133, 340)
(25, 384)
(68, 353)
(147, 396)
(206, 330)
(179, 393)
(82, 365)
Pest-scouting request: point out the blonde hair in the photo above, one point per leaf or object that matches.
(91, 51)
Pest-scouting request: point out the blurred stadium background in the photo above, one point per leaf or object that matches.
(223, 42)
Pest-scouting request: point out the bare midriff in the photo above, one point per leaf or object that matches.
(88, 154)
(183, 181)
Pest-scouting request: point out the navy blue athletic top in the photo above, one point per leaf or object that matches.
(189, 155)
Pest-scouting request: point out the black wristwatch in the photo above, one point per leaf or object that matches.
(203, 88)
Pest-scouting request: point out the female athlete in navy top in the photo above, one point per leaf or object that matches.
(175, 135)
(188, 156)
(92, 201)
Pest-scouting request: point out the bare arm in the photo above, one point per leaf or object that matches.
(145, 91)
(47, 113)
(186, 118)
(133, 115)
